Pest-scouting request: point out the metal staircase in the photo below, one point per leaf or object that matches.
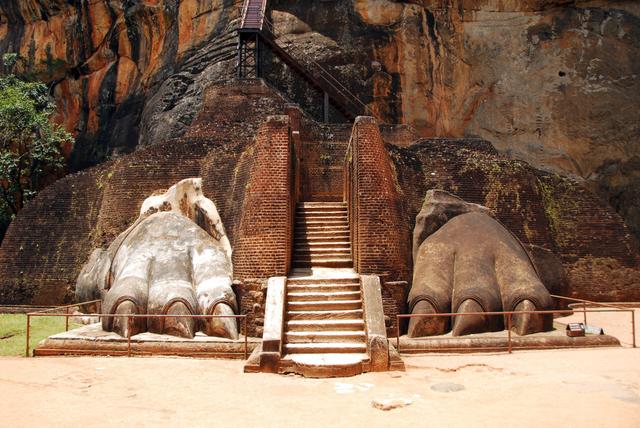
(257, 32)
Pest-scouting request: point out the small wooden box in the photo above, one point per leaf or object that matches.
(575, 329)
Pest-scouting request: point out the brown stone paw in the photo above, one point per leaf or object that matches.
(471, 264)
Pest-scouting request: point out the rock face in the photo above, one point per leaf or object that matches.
(468, 262)
(118, 67)
(175, 259)
(552, 82)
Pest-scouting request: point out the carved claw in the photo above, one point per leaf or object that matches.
(126, 326)
(530, 323)
(427, 326)
(470, 324)
(180, 326)
(222, 327)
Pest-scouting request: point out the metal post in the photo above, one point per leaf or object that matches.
(509, 331)
(240, 59)
(66, 321)
(326, 107)
(397, 334)
(26, 353)
(128, 336)
(584, 312)
(633, 326)
(244, 321)
(258, 58)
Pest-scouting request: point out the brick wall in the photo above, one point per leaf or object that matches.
(251, 296)
(380, 238)
(47, 244)
(263, 244)
(321, 170)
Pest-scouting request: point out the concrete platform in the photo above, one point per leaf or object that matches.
(92, 340)
(325, 365)
(498, 341)
(323, 273)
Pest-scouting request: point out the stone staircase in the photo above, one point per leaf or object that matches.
(324, 332)
(324, 319)
(322, 236)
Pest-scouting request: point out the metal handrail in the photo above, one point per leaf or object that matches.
(328, 77)
(245, 12)
(245, 7)
(312, 61)
(129, 317)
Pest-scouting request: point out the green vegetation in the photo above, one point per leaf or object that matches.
(13, 332)
(30, 144)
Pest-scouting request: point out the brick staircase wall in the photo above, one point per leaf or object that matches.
(263, 244)
(323, 149)
(47, 244)
(378, 234)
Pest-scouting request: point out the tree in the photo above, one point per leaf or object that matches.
(30, 144)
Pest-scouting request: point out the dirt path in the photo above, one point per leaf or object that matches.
(589, 388)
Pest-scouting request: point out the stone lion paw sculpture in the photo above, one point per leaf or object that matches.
(175, 259)
(466, 261)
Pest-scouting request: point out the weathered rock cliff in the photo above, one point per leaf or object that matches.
(111, 64)
(554, 82)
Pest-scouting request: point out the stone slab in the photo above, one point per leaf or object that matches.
(377, 343)
(498, 341)
(274, 315)
(325, 365)
(92, 340)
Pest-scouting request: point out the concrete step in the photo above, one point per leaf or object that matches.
(305, 252)
(318, 296)
(328, 263)
(322, 257)
(315, 219)
(306, 221)
(321, 244)
(324, 305)
(325, 365)
(319, 235)
(346, 279)
(321, 241)
(320, 215)
(323, 288)
(304, 229)
(321, 251)
(322, 325)
(320, 212)
(338, 314)
(324, 348)
(303, 222)
(325, 336)
(322, 205)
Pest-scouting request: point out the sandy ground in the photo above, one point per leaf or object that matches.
(569, 388)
